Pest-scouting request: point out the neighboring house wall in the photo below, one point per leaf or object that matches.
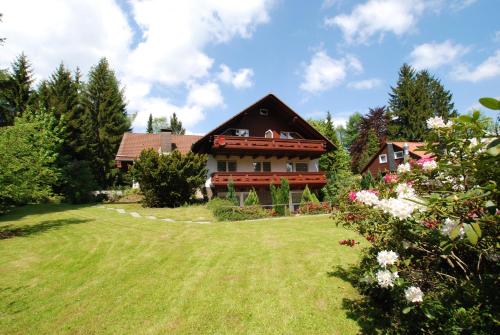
(376, 166)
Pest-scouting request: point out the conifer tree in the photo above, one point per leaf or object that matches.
(6, 109)
(371, 147)
(351, 129)
(20, 89)
(149, 129)
(105, 121)
(176, 125)
(416, 97)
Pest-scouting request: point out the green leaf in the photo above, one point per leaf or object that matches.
(407, 310)
(493, 150)
(490, 207)
(471, 234)
(454, 233)
(477, 229)
(490, 103)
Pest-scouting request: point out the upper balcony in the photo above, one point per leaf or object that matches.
(255, 179)
(223, 144)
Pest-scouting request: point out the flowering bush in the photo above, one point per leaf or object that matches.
(315, 208)
(350, 243)
(433, 263)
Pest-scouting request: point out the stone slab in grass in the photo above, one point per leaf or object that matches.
(168, 220)
(151, 217)
(121, 210)
(135, 214)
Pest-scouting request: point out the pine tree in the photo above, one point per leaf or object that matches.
(252, 198)
(20, 90)
(176, 125)
(416, 97)
(352, 129)
(7, 111)
(75, 118)
(149, 129)
(371, 147)
(330, 131)
(105, 121)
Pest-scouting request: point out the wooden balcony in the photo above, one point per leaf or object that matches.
(255, 179)
(267, 146)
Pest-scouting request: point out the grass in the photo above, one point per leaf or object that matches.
(84, 270)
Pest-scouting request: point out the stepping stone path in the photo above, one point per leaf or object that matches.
(152, 217)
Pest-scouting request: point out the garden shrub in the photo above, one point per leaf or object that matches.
(432, 267)
(169, 180)
(315, 208)
(308, 196)
(252, 199)
(224, 210)
(280, 196)
(231, 193)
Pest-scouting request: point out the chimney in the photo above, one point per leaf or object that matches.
(166, 139)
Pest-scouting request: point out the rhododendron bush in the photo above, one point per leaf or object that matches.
(432, 267)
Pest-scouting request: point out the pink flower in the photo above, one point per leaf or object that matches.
(390, 178)
(423, 160)
(352, 196)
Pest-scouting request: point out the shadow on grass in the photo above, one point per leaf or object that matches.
(20, 212)
(9, 231)
(369, 318)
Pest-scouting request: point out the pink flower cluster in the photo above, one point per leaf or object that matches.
(391, 178)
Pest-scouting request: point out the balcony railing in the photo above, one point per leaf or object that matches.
(249, 179)
(263, 145)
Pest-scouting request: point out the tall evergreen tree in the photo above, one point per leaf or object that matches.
(7, 111)
(105, 121)
(371, 147)
(176, 125)
(351, 129)
(416, 97)
(160, 123)
(330, 131)
(20, 90)
(149, 129)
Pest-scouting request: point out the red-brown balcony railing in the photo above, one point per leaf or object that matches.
(250, 179)
(228, 144)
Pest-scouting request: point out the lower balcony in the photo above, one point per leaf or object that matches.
(260, 179)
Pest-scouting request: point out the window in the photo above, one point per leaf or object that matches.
(269, 134)
(382, 158)
(226, 166)
(289, 135)
(237, 132)
(398, 154)
(297, 167)
(301, 167)
(261, 166)
(264, 112)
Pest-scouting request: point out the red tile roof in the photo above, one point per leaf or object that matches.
(132, 144)
(415, 147)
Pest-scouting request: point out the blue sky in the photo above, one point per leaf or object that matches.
(207, 60)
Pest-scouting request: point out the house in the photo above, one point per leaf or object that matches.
(260, 145)
(391, 154)
(132, 145)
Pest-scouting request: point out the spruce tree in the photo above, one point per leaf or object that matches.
(149, 129)
(7, 111)
(20, 90)
(416, 97)
(105, 121)
(351, 129)
(330, 131)
(176, 125)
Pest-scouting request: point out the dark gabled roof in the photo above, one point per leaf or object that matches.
(413, 147)
(203, 144)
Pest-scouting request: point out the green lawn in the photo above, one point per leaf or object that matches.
(89, 270)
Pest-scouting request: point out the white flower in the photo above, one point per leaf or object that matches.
(437, 122)
(404, 168)
(385, 278)
(405, 190)
(385, 258)
(448, 227)
(429, 165)
(367, 197)
(414, 294)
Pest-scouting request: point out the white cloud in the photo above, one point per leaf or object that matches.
(173, 36)
(239, 79)
(490, 68)
(496, 37)
(433, 55)
(324, 72)
(378, 17)
(461, 4)
(207, 95)
(366, 84)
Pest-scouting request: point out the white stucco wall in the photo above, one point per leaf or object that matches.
(245, 164)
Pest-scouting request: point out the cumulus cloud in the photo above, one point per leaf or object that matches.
(378, 17)
(433, 55)
(239, 79)
(366, 84)
(324, 72)
(169, 55)
(490, 68)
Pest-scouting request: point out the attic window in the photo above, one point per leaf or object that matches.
(398, 155)
(382, 158)
(264, 112)
(289, 135)
(269, 134)
(237, 132)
